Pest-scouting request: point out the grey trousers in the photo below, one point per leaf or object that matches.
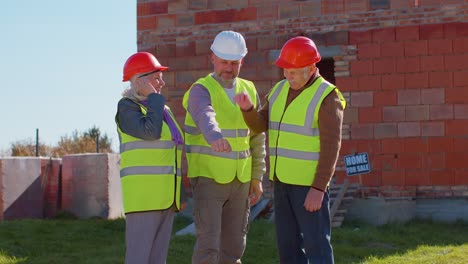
(147, 236)
(221, 215)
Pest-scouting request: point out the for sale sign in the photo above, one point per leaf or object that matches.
(357, 164)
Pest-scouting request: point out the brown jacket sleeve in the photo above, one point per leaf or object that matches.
(257, 121)
(330, 124)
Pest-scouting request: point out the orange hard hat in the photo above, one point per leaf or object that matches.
(141, 62)
(298, 52)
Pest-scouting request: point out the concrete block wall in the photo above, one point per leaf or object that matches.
(21, 195)
(86, 185)
(401, 66)
(91, 185)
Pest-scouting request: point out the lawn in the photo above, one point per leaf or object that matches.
(90, 241)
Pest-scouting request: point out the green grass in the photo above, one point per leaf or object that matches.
(102, 241)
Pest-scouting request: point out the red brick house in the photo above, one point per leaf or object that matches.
(401, 64)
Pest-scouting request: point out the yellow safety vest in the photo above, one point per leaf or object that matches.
(294, 138)
(223, 167)
(150, 170)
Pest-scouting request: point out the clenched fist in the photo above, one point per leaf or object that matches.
(221, 145)
(244, 101)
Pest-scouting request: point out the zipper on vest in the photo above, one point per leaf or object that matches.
(277, 139)
(175, 179)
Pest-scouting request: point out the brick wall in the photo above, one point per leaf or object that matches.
(401, 64)
(408, 108)
(50, 184)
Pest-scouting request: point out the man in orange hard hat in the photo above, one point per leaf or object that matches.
(303, 115)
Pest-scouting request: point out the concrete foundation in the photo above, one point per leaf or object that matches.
(380, 211)
(443, 210)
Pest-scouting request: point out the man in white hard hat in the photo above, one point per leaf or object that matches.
(225, 161)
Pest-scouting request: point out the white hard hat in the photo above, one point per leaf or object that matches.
(229, 45)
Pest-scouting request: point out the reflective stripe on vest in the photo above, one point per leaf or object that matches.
(150, 170)
(231, 133)
(223, 167)
(146, 145)
(227, 155)
(294, 154)
(307, 129)
(294, 136)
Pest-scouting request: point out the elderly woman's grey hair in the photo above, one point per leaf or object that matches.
(131, 92)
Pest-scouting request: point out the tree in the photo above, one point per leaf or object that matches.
(90, 141)
(103, 143)
(28, 148)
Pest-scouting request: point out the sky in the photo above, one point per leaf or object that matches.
(61, 67)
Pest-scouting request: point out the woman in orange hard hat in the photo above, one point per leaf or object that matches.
(150, 149)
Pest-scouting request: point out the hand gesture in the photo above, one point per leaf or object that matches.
(221, 145)
(244, 101)
(144, 87)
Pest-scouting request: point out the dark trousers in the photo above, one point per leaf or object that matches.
(303, 237)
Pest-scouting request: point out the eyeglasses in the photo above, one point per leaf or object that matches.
(146, 74)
